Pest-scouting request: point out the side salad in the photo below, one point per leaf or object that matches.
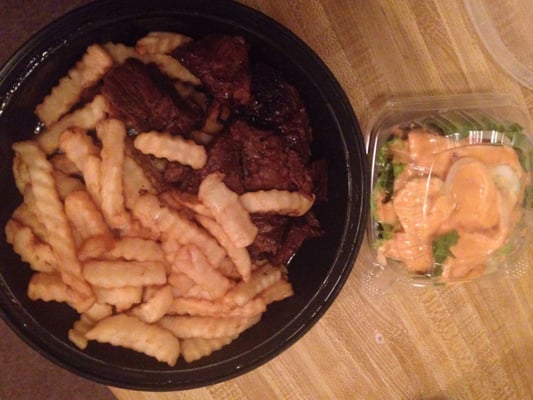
(447, 202)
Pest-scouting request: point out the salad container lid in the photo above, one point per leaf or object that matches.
(504, 28)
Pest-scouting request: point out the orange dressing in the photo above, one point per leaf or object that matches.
(471, 189)
(428, 152)
(474, 194)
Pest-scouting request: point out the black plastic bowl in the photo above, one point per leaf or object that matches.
(317, 272)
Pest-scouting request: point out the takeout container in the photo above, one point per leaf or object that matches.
(317, 272)
(451, 188)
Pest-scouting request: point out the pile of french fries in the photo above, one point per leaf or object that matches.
(155, 270)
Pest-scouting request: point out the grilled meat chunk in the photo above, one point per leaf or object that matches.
(143, 97)
(267, 162)
(279, 237)
(222, 64)
(275, 104)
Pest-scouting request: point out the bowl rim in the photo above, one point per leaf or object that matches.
(36, 50)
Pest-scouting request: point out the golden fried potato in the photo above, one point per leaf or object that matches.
(112, 134)
(277, 202)
(93, 65)
(122, 298)
(227, 210)
(239, 255)
(50, 212)
(84, 118)
(175, 226)
(120, 273)
(203, 327)
(190, 261)
(84, 216)
(30, 248)
(158, 42)
(130, 332)
(173, 148)
(260, 279)
(156, 306)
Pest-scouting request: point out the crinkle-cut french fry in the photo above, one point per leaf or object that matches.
(119, 273)
(122, 298)
(174, 225)
(180, 283)
(92, 66)
(86, 321)
(277, 202)
(29, 199)
(49, 210)
(198, 292)
(186, 326)
(120, 52)
(77, 145)
(51, 287)
(30, 248)
(85, 118)
(84, 215)
(139, 249)
(126, 331)
(173, 148)
(112, 134)
(167, 64)
(158, 42)
(170, 246)
(210, 308)
(98, 311)
(192, 262)
(20, 173)
(239, 255)
(176, 199)
(227, 210)
(172, 68)
(199, 307)
(91, 176)
(261, 278)
(134, 181)
(195, 348)
(278, 291)
(154, 215)
(81, 150)
(66, 184)
(153, 309)
(60, 162)
(253, 308)
(48, 287)
(95, 247)
(229, 270)
(77, 333)
(26, 216)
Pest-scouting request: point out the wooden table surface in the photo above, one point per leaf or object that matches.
(473, 341)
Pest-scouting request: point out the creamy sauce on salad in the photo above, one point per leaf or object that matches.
(451, 204)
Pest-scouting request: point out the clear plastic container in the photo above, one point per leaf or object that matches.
(451, 188)
(504, 27)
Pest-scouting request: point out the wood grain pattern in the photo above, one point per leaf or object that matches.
(473, 341)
